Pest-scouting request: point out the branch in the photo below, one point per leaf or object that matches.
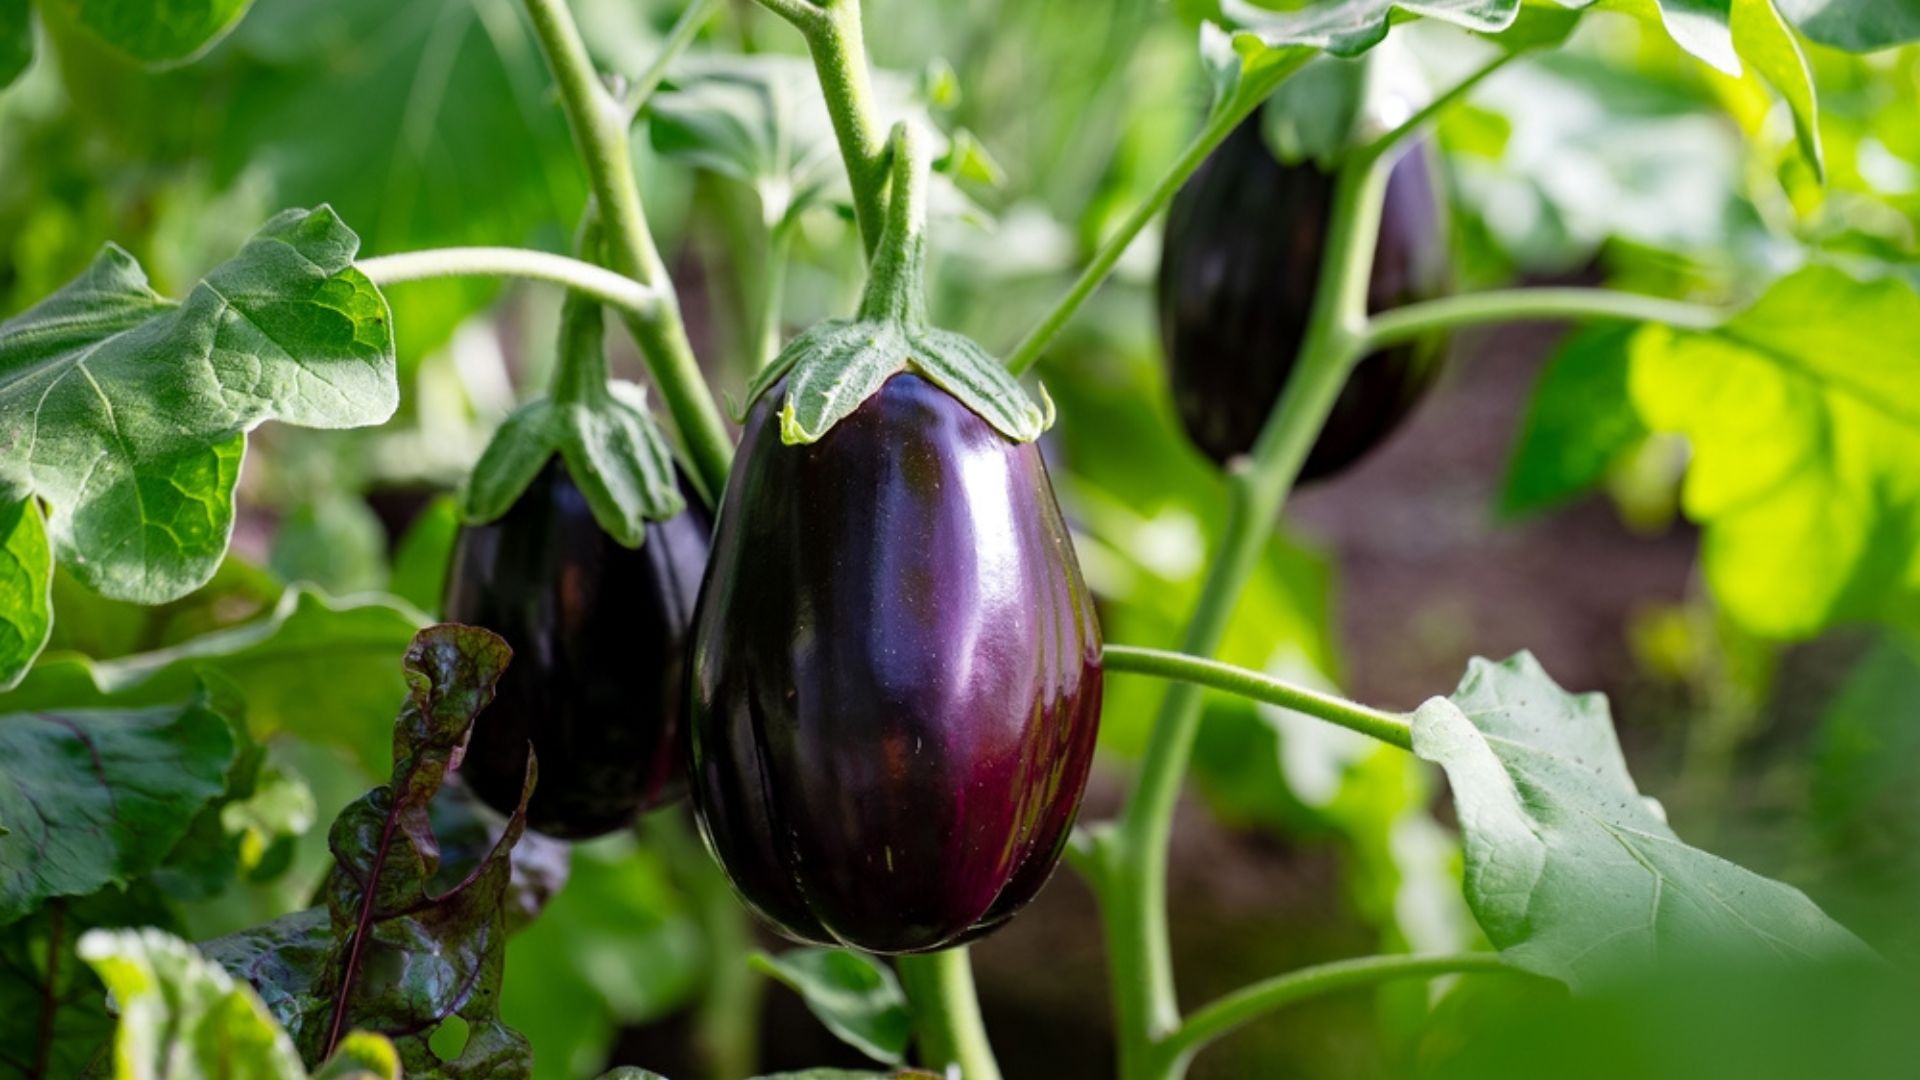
(1520, 305)
(596, 281)
(1248, 1003)
(1390, 728)
(838, 46)
(675, 43)
(1380, 145)
(946, 1014)
(599, 125)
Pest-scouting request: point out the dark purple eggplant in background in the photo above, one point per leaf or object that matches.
(1238, 271)
(599, 642)
(896, 675)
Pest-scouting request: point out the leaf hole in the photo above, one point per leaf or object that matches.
(449, 1038)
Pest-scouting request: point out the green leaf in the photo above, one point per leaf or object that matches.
(96, 797)
(619, 946)
(16, 40)
(1573, 873)
(402, 945)
(52, 1008)
(181, 1016)
(1762, 38)
(427, 124)
(1855, 25)
(334, 541)
(420, 562)
(1579, 422)
(26, 588)
(855, 996)
(137, 407)
(317, 668)
(162, 32)
(105, 629)
(1803, 413)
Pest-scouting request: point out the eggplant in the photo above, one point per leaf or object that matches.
(1244, 241)
(598, 632)
(896, 675)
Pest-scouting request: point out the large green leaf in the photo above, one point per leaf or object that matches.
(26, 588)
(96, 797)
(186, 1019)
(428, 123)
(127, 412)
(157, 31)
(1856, 25)
(1803, 412)
(855, 996)
(402, 945)
(16, 40)
(317, 668)
(1571, 871)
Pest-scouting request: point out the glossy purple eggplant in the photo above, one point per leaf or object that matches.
(1244, 242)
(896, 675)
(599, 643)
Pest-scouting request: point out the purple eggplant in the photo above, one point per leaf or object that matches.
(599, 642)
(896, 675)
(1238, 270)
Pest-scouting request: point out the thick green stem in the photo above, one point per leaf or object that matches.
(1521, 305)
(628, 295)
(838, 45)
(1390, 728)
(946, 1014)
(1135, 898)
(896, 282)
(599, 125)
(1269, 995)
(772, 298)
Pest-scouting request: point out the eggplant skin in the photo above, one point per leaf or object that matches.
(896, 675)
(1238, 272)
(599, 635)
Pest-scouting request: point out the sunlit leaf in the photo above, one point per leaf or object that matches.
(1571, 871)
(127, 413)
(96, 797)
(1803, 413)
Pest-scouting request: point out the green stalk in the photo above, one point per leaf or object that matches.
(1134, 853)
(678, 38)
(1390, 728)
(599, 126)
(624, 293)
(773, 283)
(946, 1014)
(1268, 995)
(1521, 305)
(837, 43)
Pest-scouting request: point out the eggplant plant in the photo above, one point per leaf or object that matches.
(906, 649)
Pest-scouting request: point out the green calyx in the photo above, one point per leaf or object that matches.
(835, 365)
(601, 429)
